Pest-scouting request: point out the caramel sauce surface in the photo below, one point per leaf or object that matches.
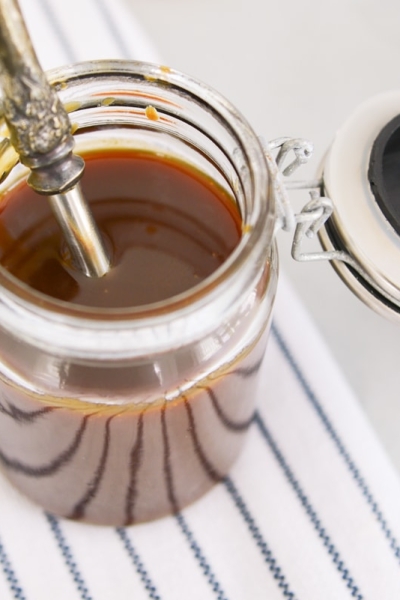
(166, 226)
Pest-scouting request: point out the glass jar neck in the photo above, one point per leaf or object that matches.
(107, 102)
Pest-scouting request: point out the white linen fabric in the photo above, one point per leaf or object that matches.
(311, 509)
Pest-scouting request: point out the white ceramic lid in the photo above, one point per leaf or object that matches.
(358, 224)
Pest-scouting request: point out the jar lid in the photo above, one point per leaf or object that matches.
(361, 175)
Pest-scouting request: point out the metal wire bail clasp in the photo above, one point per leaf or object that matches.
(314, 214)
(312, 217)
(302, 150)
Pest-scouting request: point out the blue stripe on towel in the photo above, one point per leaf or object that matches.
(322, 534)
(58, 29)
(261, 543)
(358, 478)
(204, 565)
(68, 557)
(140, 568)
(10, 575)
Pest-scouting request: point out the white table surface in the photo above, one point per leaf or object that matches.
(299, 69)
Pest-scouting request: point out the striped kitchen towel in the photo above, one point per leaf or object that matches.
(311, 509)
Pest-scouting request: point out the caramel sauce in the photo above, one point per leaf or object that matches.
(105, 461)
(166, 226)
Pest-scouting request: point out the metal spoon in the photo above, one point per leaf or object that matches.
(40, 131)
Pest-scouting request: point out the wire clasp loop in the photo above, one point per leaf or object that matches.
(314, 214)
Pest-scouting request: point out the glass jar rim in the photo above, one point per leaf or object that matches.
(87, 331)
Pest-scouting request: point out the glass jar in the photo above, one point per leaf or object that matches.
(115, 416)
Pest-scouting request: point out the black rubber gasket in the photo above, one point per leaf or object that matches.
(338, 245)
(384, 172)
